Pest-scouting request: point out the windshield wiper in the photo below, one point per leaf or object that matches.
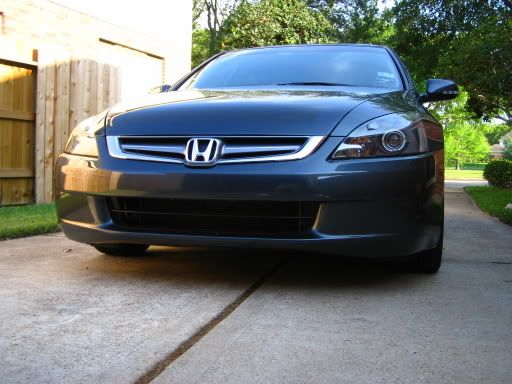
(315, 83)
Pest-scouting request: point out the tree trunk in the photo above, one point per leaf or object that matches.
(213, 19)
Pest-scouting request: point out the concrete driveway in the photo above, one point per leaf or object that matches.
(69, 314)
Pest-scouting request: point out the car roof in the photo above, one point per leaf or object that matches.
(310, 46)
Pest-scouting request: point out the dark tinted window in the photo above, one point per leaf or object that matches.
(347, 65)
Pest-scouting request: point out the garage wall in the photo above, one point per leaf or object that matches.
(159, 27)
(138, 71)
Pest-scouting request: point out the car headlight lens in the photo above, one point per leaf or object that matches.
(82, 141)
(391, 135)
(394, 141)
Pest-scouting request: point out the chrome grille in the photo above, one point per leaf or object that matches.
(232, 149)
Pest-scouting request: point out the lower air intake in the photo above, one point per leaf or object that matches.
(214, 217)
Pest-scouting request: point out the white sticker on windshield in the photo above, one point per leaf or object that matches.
(385, 77)
(386, 74)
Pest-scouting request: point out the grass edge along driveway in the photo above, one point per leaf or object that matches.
(493, 201)
(27, 220)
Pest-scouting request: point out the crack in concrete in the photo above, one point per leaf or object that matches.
(161, 365)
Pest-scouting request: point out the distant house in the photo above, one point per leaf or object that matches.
(497, 150)
(64, 60)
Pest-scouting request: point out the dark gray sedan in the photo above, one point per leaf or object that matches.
(317, 147)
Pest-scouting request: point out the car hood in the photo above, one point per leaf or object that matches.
(247, 112)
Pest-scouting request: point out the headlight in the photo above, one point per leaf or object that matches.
(391, 135)
(82, 140)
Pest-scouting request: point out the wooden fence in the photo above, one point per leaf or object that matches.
(17, 84)
(44, 94)
(68, 91)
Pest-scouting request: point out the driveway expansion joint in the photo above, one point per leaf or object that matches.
(163, 364)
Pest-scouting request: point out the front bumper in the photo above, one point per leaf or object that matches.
(370, 207)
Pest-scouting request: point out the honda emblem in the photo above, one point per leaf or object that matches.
(202, 151)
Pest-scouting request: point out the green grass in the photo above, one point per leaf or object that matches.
(493, 200)
(469, 166)
(27, 220)
(461, 174)
(467, 171)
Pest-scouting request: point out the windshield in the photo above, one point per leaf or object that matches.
(357, 66)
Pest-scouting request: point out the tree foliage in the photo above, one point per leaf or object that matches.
(205, 41)
(216, 13)
(487, 51)
(424, 29)
(465, 143)
(200, 46)
(454, 112)
(274, 22)
(467, 40)
(465, 140)
(493, 132)
(356, 21)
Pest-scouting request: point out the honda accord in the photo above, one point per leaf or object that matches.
(325, 148)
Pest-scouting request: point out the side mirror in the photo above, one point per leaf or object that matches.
(161, 88)
(439, 89)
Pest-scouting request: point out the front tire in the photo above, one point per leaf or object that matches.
(429, 261)
(121, 249)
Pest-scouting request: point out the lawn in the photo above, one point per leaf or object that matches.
(467, 171)
(493, 200)
(27, 220)
(461, 174)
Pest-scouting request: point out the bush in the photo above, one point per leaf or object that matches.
(499, 173)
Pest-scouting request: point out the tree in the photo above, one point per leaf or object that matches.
(465, 143)
(205, 41)
(488, 51)
(356, 21)
(453, 112)
(465, 139)
(467, 40)
(197, 11)
(493, 132)
(425, 29)
(274, 22)
(200, 46)
(216, 13)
